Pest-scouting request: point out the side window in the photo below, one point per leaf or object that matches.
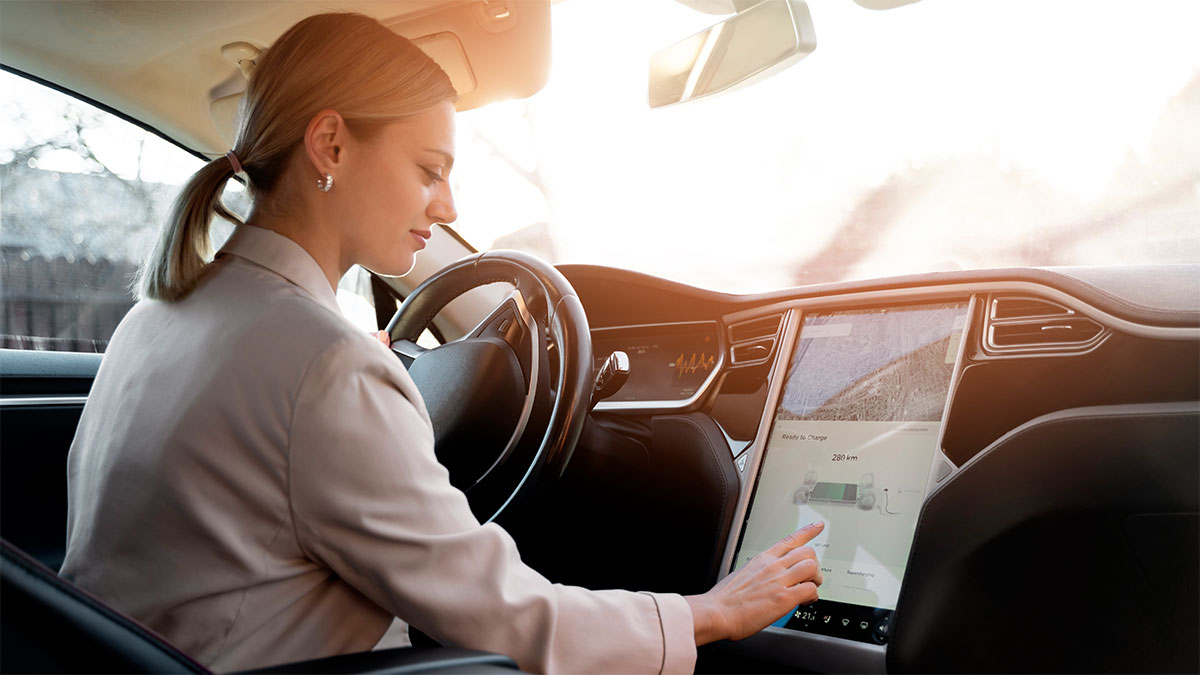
(356, 300)
(84, 196)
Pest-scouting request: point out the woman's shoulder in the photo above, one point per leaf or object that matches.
(321, 336)
(356, 366)
(257, 319)
(255, 298)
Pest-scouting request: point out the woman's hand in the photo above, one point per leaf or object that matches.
(764, 589)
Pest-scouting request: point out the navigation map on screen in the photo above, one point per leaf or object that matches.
(852, 442)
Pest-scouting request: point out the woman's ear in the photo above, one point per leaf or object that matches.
(323, 141)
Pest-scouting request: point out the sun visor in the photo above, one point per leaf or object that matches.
(492, 50)
(450, 55)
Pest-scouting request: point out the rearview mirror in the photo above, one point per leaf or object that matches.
(744, 48)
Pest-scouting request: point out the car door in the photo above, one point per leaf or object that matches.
(82, 192)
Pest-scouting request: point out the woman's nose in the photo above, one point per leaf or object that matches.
(441, 210)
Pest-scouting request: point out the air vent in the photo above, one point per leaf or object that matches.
(755, 328)
(752, 352)
(753, 341)
(1026, 326)
(1016, 307)
(1051, 332)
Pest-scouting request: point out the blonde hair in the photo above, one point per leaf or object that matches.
(346, 62)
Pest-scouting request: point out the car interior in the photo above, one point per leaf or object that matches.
(1007, 459)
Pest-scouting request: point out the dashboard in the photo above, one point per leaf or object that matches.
(863, 405)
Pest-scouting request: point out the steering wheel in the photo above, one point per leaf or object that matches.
(491, 391)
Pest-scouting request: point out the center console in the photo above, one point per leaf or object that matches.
(854, 429)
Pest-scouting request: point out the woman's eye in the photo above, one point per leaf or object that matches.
(433, 175)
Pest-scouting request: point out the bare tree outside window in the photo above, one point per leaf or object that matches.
(82, 203)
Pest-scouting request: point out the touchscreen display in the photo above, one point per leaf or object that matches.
(852, 442)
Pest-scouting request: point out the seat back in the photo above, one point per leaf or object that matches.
(1069, 545)
(47, 624)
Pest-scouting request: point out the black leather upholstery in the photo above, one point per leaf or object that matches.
(695, 466)
(47, 624)
(1069, 545)
(33, 472)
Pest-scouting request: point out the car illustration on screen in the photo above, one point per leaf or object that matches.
(851, 494)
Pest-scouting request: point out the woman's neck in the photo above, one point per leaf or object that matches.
(322, 243)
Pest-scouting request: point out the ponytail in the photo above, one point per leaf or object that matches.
(347, 62)
(184, 247)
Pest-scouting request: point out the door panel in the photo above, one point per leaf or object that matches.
(41, 398)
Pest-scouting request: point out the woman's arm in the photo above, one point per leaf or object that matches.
(372, 504)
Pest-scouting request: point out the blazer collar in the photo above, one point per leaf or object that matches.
(284, 257)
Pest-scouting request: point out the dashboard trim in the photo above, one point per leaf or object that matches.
(848, 300)
(754, 452)
(22, 401)
(960, 363)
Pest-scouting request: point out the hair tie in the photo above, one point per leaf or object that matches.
(237, 166)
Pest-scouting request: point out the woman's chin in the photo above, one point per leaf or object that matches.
(395, 268)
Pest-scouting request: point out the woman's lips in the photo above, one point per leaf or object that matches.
(421, 236)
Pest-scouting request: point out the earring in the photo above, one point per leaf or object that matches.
(325, 185)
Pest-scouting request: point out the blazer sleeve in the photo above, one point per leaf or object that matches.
(370, 501)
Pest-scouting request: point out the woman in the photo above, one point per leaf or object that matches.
(255, 479)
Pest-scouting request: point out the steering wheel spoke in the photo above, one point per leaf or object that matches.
(408, 351)
(513, 323)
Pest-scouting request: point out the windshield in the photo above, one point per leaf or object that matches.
(935, 136)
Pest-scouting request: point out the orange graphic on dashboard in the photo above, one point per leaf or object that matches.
(686, 366)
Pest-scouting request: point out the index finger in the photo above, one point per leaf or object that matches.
(796, 539)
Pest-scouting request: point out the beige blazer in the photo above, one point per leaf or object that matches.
(254, 478)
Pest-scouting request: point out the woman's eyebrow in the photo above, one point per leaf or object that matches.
(449, 157)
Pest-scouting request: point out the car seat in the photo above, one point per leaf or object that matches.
(48, 624)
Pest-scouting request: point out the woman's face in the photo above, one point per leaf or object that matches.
(395, 189)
